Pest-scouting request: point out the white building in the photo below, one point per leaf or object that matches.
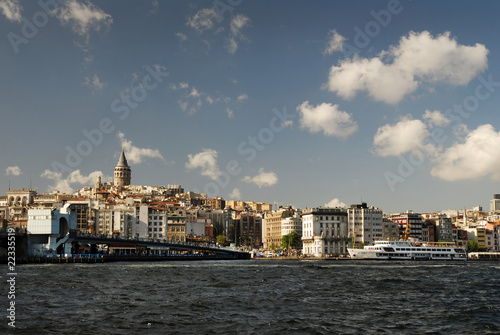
(292, 223)
(325, 231)
(115, 221)
(197, 229)
(495, 203)
(49, 231)
(366, 223)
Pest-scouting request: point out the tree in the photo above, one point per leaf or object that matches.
(221, 239)
(472, 246)
(290, 240)
(232, 233)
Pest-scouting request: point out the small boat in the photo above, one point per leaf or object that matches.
(409, 250)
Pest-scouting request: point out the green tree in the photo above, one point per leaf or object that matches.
(472, 246)
(291, 240)
(221, 239)
(232, 232)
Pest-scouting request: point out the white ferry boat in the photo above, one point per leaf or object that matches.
(401, 250)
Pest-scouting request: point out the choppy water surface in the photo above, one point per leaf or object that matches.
(258, 297)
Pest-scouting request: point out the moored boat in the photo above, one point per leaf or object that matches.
(406, 250)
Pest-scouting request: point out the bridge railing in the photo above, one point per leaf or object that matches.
(144, 239)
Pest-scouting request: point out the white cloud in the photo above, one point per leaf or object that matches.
(181, 36)
(229, 112)
(242, 97)
(134, 154)
(209, 99)
(84, 18)
(477, 157)
(287, 123)
(436, 118)
(194, 93)
(64, 184)
(203, 20)
(263, 179)
(232, 45)
(335, 42)
(95, 83)
(235, 194)
(406, 135)
(13, 171)
(237, 24)
(207, 161)
(326, 118)
(418, 58)
(11, 9)
(335, 202)
(183, 105)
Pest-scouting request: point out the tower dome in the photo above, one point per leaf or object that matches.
(123, 173)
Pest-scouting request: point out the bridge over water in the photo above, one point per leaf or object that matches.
(163, 246)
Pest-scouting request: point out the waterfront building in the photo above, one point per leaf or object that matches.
(272, 227)
(390, 230)
(414, 220)
(429, 231)
(19, 201)
(196, 228)
(292, 224)
(114, 221)
(459, 236)
(366, 222)
(49, 230)
(325, 231)
(248, 229)
(444, 229)
(123, 173)
(176, 227)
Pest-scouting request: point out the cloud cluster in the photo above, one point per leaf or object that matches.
(94, 83)
(335, 42)
(83, 18)
(477, 157)
(13, 171)
(418, 58)
(335, 202)
(406, 135)
(192, 99)
(134, 154)
(207, 161)
(11, 9)
(436, 118)
(64, 184)
(326, 118)
(262, 179)
(237, 24)
(204, 19)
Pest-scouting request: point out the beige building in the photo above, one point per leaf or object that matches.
(272, 227)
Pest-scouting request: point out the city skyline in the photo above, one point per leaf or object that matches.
(305, 104)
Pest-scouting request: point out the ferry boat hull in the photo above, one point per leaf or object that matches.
(403, 250)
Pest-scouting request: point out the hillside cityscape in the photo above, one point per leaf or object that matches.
(170, 213)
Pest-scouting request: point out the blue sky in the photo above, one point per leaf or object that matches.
(294, 102)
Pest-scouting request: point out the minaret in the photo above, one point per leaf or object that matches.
(123, 172)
